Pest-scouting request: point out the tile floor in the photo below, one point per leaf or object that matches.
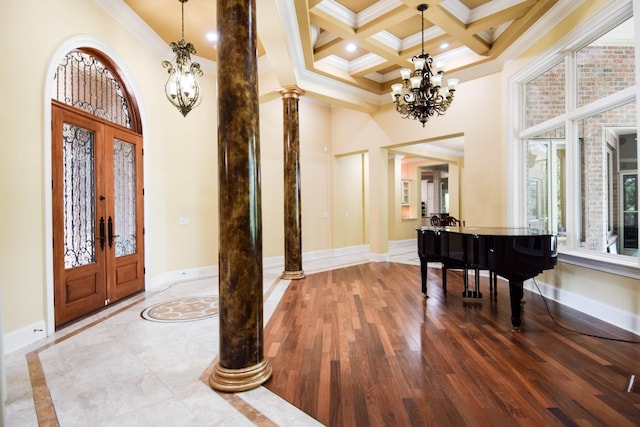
(117, 369)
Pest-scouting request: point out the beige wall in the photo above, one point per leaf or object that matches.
(180, 154)
(348, 201)
(181, 181)
(482, 198)
(180, 157)
(344, 173)
(315, 176)
(607, 289)
(478, 190)
(272, 178)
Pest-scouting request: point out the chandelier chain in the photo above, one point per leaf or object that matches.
(421, 9)
(182, 88)
(182, 2)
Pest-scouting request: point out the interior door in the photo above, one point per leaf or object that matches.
(97, 213)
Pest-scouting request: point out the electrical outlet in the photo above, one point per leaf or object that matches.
(183, 220)
(632, 385)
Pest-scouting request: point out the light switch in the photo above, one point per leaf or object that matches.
(183, 220)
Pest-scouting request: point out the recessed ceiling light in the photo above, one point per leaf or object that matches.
(444, 45)
(351, 47)
(212, 36)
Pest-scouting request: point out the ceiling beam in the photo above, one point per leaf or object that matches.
(274, 41)
(496, 19)
(450, 24)
(520, 25)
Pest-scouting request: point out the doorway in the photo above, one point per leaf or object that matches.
(97, 217)
(97, 213)
(435, 190)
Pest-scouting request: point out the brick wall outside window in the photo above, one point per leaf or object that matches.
(601, 71)
(545, 96)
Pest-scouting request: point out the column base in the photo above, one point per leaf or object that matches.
(293, 275)
(235, 380)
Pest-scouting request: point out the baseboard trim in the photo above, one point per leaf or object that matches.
(612, 315)
(21, 338)
(170, 277)
(402, 245)
(347, 251)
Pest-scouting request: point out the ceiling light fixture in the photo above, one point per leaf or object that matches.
(419, 96)
(212, 37)
(182, 88)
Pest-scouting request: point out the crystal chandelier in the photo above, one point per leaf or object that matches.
(421, 95)
(182, 88)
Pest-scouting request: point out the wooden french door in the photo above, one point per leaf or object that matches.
(98, 251)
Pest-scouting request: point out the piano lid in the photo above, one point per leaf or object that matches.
(491, 231)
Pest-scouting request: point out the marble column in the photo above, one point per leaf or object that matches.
(241, 364)
(292, 209)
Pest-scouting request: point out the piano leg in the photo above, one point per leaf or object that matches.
(475, 293)
(478, 294)
(493, 283)
(444, 279)
(423, 275)
(516, 293)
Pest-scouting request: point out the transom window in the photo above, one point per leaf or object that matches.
(85, 81)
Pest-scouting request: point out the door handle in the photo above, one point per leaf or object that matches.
(111, 235)
(102, 232)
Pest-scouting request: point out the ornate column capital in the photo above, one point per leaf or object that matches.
(291, 92)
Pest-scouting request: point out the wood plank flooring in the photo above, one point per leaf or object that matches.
(359, 346)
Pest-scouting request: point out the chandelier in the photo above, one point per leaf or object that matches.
(421, 95)
(182, 88)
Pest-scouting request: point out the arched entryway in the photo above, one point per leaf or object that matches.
(97, 186)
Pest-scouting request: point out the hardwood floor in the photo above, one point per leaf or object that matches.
(359, 346)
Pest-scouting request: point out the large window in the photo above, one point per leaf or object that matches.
(546, 208)
(578, 145)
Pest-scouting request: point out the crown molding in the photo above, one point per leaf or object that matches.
(380, 7)
(126, 17)
(122, 13)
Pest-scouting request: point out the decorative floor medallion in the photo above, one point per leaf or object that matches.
(182, 310)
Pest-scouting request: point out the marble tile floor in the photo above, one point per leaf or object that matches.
(117, 369)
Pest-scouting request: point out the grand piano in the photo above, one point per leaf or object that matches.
(517, 254)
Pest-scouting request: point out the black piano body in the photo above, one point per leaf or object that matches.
(517, 254)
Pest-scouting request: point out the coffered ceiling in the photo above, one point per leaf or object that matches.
(387, 33)
(357, 47)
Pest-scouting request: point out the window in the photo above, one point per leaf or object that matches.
(599, 138)
(578, 145)
(606, 65)
(546, 208)
(545, 96)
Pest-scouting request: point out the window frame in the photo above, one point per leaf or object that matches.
(605, 20)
